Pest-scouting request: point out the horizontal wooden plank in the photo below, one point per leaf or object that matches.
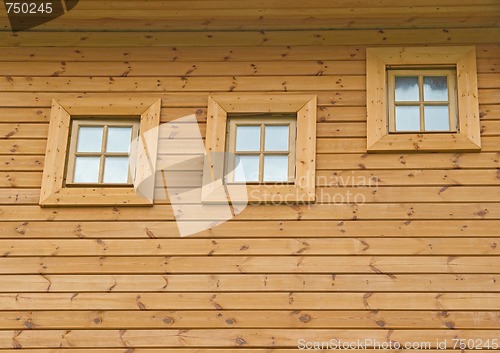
(228, 338)
(230, 15)
(281, 53)
(410, 177)
(19, 320)
(272, 38)
(358, 145)
(21, 179)
(251, 229)
(404, 161)
(19, 196)
(386, 265)
(180, 84)
(247, 247)
(13, 131)
(187, 99)
(290, 4)
(434, 18)
(250, 301)
(187, 69)
(212, 213)
(21, 163)
(247, 282)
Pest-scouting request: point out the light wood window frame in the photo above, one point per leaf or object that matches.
(54, 191)
(463, 59)
(451, 102)
(131, 122)
(301, 106)
(262, 122)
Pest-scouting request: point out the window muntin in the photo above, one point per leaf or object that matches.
(422, 100)
(261, 149)
(99, 151)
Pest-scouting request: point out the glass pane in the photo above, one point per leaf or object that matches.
(436, 118)
(89, 139)
(115, 170)
(276, 138)
(407, 89)
(247, 168)
(119, 139)
(408, 118)
(436, 88)
(275, 168)
(86, 170)
(248, 138)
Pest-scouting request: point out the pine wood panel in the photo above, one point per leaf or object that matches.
(282, 53)
(244, 247)
(250, 229)
(18, 320)
(183, 83)
(280, 212)
(229, 38)
(21, 163)
(225, 338)
(402, 161)
(250, 301)
(187, 69)
(264, 20)
(22, 99)
(255, 283)
(385, 265)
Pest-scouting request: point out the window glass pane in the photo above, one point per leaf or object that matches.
(86, 170)
(119, 139)
(115, 170)
(248, 138)
(407, 89)
(89, 139)
(435, 88)
(276, 138)
(275, 168)
(407, 118)
(436, 118)
(247, 168)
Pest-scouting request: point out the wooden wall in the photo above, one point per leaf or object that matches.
(419, 261)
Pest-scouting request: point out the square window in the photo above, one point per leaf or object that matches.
(422, 99)
(269, 143)
(89, 153)
(99, 151)
(262, 149)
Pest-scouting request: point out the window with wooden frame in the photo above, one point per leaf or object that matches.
(91, 157)
(261, 149)
(99, 151)
(422, 99)
(269, 144)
